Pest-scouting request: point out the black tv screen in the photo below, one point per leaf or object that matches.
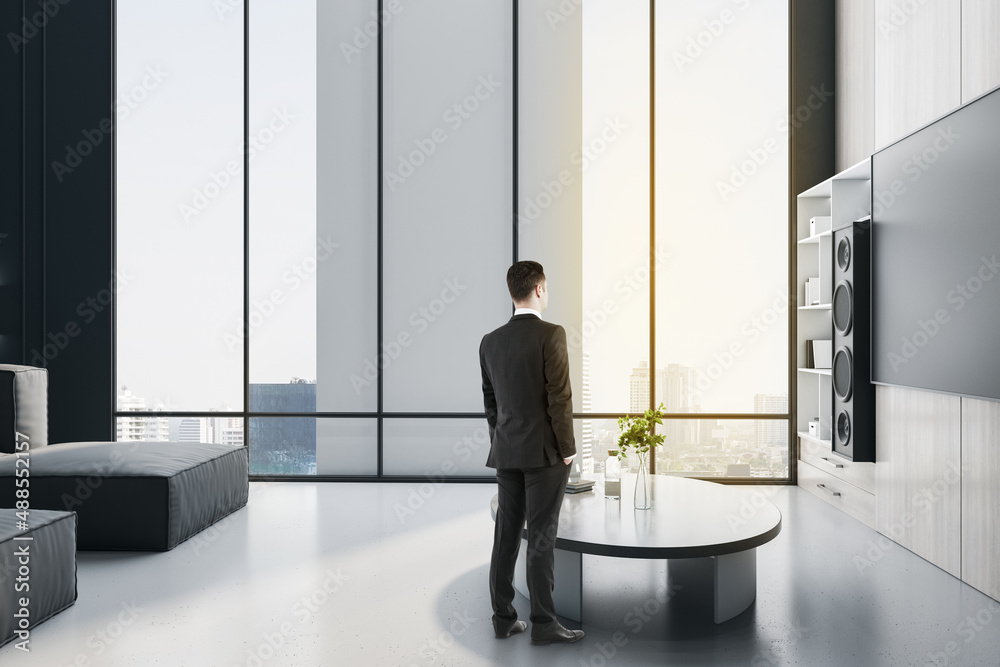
(936, 255)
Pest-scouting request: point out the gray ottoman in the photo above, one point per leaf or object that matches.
(46, 563)
(136, 496)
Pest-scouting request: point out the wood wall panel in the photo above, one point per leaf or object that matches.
(981, 495)
(918, 65)
(855, 90)
(918, 489)
(980, 47)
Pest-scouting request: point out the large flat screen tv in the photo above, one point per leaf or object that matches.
(936, 255)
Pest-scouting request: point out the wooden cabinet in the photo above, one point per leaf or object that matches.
(820, 455)
(843, 495)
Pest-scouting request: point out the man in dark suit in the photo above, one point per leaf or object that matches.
(529, 408)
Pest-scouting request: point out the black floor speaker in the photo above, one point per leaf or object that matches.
(853, 392)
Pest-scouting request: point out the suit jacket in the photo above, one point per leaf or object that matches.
(529, 403)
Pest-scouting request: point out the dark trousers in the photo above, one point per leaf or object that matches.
(535, 494)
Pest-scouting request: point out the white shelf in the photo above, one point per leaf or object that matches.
(819, 190)
(815, 371)
(821, 306)
(862, 171)
(815, 237)
(806, 436)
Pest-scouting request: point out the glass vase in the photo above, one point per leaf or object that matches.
(642, 492)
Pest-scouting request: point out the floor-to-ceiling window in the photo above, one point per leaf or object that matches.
(721, 180)
(716, 256)
(615, 163)
(320, 295)
(179, 238)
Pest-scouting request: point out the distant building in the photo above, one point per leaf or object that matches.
(147, 429)
(676, 388)
(675, 392)
(231, 435)
(770, 432)
(283, 445)
(193, 429)
(705, 429)
(295, 396)
(638, 388)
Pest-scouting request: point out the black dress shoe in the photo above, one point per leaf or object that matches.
(560, 635)
(519, 626)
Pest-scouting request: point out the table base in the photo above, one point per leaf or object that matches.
(725, 585)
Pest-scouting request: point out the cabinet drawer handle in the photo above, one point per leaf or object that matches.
(835, 494)
(833, 463)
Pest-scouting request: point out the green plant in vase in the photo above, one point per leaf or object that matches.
(639, 434)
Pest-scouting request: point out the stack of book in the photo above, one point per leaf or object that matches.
(579, 486)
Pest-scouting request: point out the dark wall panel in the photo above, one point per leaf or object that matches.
(57, 173)
(79, 204)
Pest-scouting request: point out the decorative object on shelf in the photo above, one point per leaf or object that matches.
(613, 476)
(819, 224)
(814, 428)
(812, 291)
(822, 353)
(639, 434)
(810, 361)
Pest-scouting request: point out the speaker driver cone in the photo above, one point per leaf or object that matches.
(843, 374)
(844, 253)
(843, 307)
(843, 428)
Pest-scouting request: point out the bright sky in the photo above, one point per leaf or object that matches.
(724, 260)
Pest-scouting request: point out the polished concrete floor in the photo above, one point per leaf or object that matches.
(395, 574)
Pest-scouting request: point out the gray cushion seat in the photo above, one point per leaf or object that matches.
(24, 406)
(50, 561)
(146, 496)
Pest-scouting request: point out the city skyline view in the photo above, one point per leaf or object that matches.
(693, 447)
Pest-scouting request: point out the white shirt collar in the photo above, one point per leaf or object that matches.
(527, 311)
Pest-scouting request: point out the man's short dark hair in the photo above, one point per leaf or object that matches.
(522, 278)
